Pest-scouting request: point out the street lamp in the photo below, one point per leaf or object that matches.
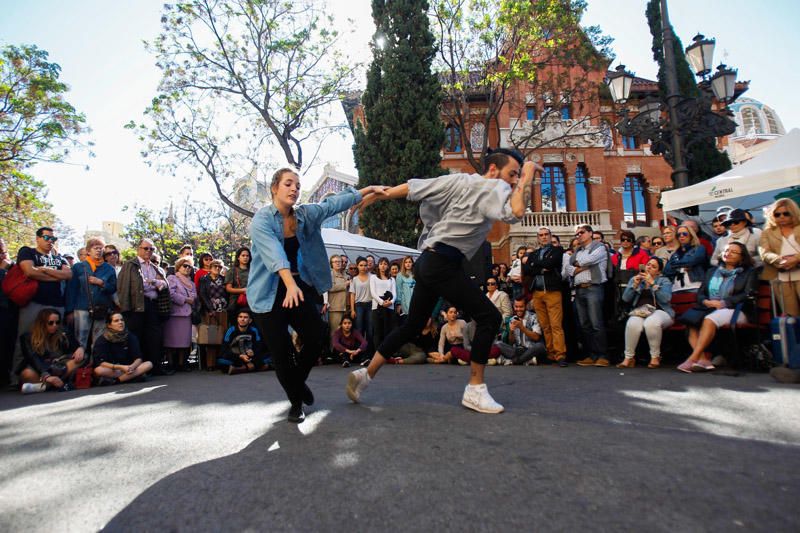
(687, 119)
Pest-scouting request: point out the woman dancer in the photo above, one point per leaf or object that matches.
(288, 273)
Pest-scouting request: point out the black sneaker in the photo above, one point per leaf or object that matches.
(308, 396)
(105, 382)
(345, 364)
(296, 414)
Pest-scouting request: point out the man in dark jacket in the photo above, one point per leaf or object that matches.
(544, 266)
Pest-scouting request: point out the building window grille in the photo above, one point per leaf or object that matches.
(581, 188)
(553, 189)
(633, 201)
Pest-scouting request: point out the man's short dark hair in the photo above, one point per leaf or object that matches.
(40, 231)
(499, 157)
(245, 311)
(602, 237)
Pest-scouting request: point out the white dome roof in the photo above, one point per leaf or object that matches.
(755, 120)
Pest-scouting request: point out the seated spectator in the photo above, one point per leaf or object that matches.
(503, 281)
(454, 342)
(242, 346)
(655, 245)
(739, 230)
(629, 256)
(670, 243)
(717, 229)
(117, 355)
(686, 266)
(649, 294)
(701, 237)
(49, 354)
(349, 346)
(521, 341)
(499, 298)
(89, 294)
(418, 351)
(724, 287)
(779, 247)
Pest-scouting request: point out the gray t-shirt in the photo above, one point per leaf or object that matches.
(459, 209)
(361, 290)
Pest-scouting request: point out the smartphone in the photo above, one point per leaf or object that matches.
(641, 268)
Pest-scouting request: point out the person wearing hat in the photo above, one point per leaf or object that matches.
(741, 230)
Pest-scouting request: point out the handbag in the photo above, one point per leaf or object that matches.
(19, 288)
(164, 303)
(643, 311)
(96, 311)
(83, 377)
(241, 300)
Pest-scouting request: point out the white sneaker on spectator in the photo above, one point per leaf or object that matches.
(506, 362)
(477, 398)
(357, 381)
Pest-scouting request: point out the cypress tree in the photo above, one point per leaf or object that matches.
(404, 132)
(704, 161)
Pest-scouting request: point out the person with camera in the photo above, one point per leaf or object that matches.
(649, 294)
(521, 340)
(383, 289)
(89, 294)
(241, 345)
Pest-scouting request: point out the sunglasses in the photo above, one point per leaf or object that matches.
(186, 266)
(491, 283)
(111, 253)
(625, 239)
(53, 322)
(683, 234)
(147, 248)
(49, 238)
(657, 243)
(779, 214)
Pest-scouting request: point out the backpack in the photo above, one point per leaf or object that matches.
(19, 288)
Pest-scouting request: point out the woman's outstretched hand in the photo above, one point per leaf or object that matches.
(293, 297)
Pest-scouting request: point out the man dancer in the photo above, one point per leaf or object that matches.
(457, 211)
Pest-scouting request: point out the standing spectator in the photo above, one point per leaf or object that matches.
(49, 354)
(670, 243)
(394, 270)
(545, 265)
(50, 269)
(732, 283)
(384, 293)
(70, 259)
(717, 230)
(701, 237)
(214, 303)
(203, 268)
(500, 299)
(82, 254)
(242, 346)
(779, 247)
(8, 320)
(645, 243)
(503, 280)
(521, 340)
(740, 229)
(90, 294)
(138, 285)
(236, 283)
(649, 293)
(111, 256)
(588, 268)
(405, 287)
(515, 274)
(555, 240)
(336, 297)
(178, 329)
(118, 354)
(629, 256)
(687, 265)
(371, 264)
(349, 346)
(361, 299)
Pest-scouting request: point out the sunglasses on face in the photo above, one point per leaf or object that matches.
(49, 238)
(658, 243)
(53, 322)
(491, 283)
(111, 253)
(147, 248)
(186, 266)
(626, 239)
(683, 234)
(779, 214)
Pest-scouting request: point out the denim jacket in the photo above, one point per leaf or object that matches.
(692, 258)
(266, 232)
(663, 294)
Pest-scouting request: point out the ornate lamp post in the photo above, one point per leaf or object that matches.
(687, 120)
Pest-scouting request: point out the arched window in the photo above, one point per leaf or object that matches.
(750, 122)
(452, 139)
(633, 201)
(630, 142)
(581, 188)
(554, 192)
(772, 122)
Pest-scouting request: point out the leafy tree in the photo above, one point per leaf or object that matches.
(22, 208)
(704, 160)
(404, 132)
(496, 52)
(243, 82)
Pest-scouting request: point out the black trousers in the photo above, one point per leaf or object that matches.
(437, 275)
(147, 327)
(382, 323)
(292, 368)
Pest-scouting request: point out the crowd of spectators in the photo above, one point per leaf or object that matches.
(126, 320)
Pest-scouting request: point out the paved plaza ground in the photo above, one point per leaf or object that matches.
(577, 449)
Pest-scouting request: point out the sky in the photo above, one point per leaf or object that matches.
(112, 79)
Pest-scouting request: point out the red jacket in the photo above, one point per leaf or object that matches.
(639, 257)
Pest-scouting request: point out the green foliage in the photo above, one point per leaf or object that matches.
(404, 131)
(36, 122)
(704, 160)
(22, 207)
(243, 82)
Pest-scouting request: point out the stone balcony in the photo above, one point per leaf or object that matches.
(560, 223)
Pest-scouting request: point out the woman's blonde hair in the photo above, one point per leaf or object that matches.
(41, 340)
(695, 241)
(790, 206)
(403, 270)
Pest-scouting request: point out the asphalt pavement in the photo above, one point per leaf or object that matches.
(596, 449)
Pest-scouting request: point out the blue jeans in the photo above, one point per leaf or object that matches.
(364, 319)
(84, 325)
(589, 306)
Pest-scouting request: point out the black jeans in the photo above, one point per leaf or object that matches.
(438, 275)
(292, 368)
(146, 326)
(382, 322)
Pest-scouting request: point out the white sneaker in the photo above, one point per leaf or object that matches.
(357, 381)
(477, 398)
(491, 362)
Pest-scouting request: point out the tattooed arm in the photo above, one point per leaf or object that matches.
(521, 197)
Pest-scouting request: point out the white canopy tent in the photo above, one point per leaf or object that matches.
(352, 245)
(751, 185)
